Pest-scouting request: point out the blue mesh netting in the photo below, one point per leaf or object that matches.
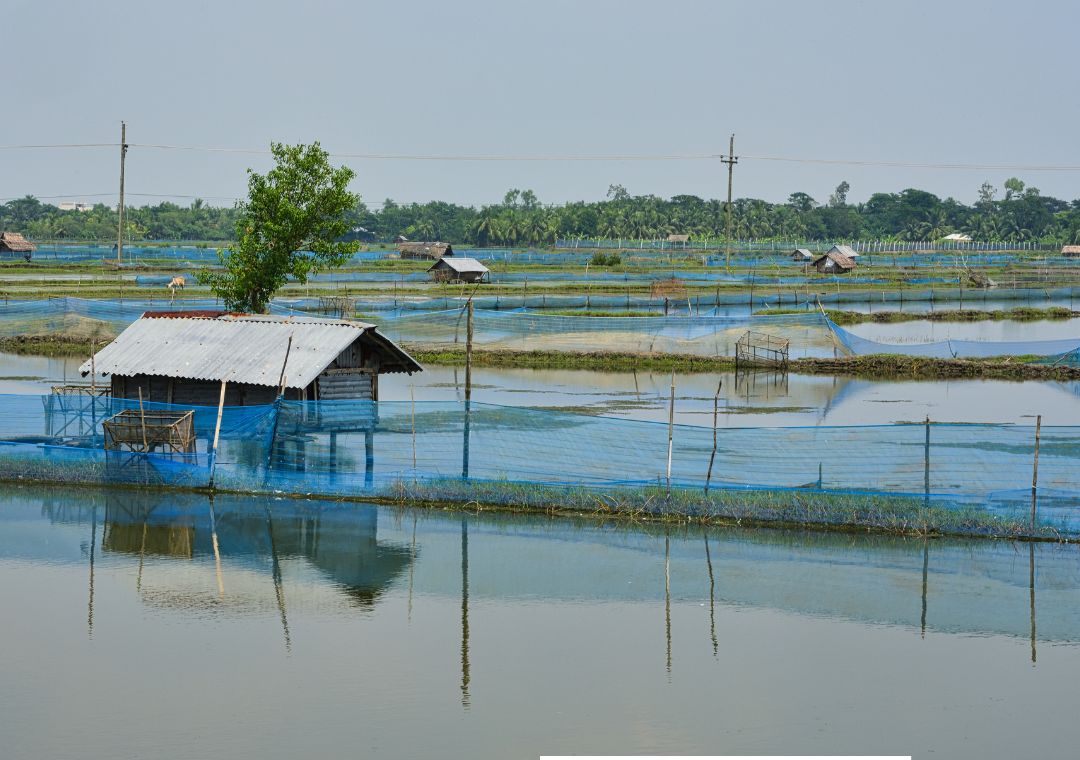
(955, 349)
(354, 448)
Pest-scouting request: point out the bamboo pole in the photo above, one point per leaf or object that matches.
(1035, 472)
(715, 415)
(670, 430)
(142, 420)
(217, 433)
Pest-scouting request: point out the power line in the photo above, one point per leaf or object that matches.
(581, 157)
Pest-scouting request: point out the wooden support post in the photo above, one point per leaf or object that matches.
(120, 206)
(142, 421)
(369, 457)
(468, 351)
(712, 457)
(670, 431)
(1035, 471)
(926, 464)
(412, 398)
(217, 434)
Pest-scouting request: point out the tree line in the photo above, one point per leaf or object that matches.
(1017, 213)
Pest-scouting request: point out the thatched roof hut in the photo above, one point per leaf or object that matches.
(1070, 250)
(425, 250)
(13, 242)
(673, 238)
(802, 254)
(834, 263)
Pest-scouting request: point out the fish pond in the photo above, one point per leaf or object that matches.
(166, 625)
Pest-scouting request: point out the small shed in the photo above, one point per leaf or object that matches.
(957, 237)
(14, 243)
(834, 263)
(803, 255)
(182, 357)
(682, 239)
(425, 250)
(845, 250)
(458, 269)
(1070, 250)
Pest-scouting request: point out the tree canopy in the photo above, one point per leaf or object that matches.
(291, 225)
(1020, 213)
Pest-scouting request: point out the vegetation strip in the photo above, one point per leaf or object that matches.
(1019, 314)
(876, 366)
(819, 511)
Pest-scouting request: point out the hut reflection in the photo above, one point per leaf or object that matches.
(244, 534)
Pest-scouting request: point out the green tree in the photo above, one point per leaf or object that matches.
(289, 225)
(839, 198)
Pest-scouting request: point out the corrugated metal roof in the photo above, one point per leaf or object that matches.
(845, 250)
(240, 348)
(460, 264)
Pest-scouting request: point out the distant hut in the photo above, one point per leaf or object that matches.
(425, 250)
(681, 240)
(957, 237)
(13, 244)
(802, 255)
(458, 269)
(182, 357)
(401, 239)
(834, 263)
(1070, 250)
(845, 250)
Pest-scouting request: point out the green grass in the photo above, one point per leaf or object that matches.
(1018, 314)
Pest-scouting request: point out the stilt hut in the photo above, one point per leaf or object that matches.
(458, 269)
(182, 357)
(834, 263)
(13, 245)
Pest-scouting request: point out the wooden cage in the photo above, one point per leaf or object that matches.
(762, 349)
(145, 432)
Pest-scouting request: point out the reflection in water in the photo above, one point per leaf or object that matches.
(464, 613)
(580, 597)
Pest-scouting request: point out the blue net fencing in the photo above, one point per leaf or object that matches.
(977, 476)
(955, 349)
(695, 332)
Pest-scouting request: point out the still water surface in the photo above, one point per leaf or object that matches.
(761, 399)
(321, 629)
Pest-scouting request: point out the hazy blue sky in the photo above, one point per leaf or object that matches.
(933, 82)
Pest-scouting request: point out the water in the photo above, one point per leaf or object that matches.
(324, 629)
(749, 400)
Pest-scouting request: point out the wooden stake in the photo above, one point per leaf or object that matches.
(712, 457)
(142, 419)
(281, 379)
(1035, 472)
(926, 463)
(412, 397)
(468, 351)
(217, 433)
(120, 207)
(670, 430)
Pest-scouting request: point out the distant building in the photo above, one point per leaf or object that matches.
(14, 243)
(425, 250)
(845, 250)
(957, 237)
(834, 262)
(458, 269)
(74, 206)
(357, 234)
(683, 239)
(1070, 250)
(802, 254)
(182, 357)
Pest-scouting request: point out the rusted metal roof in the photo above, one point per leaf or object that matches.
(239, 348)
(845, 250)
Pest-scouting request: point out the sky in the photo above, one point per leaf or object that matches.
(915, 82)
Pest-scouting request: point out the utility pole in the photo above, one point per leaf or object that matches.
(120, 208)
(731, 160)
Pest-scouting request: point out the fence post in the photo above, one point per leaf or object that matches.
(926, 464)
(1035, 470)
(715, 415)
(670, 430)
